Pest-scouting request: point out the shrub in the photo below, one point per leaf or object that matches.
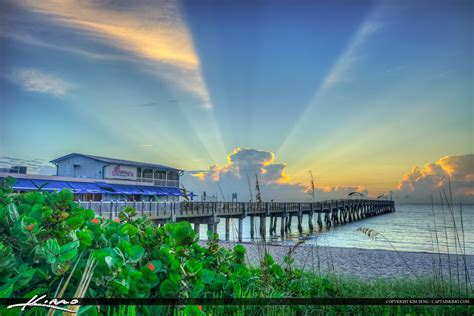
(46, 238)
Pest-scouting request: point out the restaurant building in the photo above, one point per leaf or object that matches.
(95, 178)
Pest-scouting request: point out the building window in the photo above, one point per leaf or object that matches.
(173, 176)
(147, 174)
(160, 175)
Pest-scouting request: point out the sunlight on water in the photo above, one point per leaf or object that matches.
(410, 228)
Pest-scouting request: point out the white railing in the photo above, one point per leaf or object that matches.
(172, 183)
(160, 183)
(165, 210)
(111, 209)
(148, 180)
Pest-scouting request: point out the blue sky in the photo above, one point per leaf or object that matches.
(357, 91)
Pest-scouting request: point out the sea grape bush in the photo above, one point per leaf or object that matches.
(45, 238)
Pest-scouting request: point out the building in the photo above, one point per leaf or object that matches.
(94, 167)
(100, 178)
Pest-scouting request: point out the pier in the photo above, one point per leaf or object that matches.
(320, 214)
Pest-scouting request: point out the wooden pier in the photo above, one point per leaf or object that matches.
(320, 214)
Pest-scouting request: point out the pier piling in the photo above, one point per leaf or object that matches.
(241, 228)
(252, 227)
(227, 228)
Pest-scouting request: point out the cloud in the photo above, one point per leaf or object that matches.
(154, 32)
(420, 183)
(34, 166)
(238, 176)
(30, 39)
(35, 80)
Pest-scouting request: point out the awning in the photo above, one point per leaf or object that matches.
(85, 187)
(106, 187)
(24, 184)
(172, 191)
(48, 185)
(149, 190)
(120, 188)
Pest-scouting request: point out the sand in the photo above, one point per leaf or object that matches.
(365, 264)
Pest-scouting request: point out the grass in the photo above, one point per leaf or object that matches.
(316, 286)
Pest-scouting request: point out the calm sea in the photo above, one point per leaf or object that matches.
(413, 227)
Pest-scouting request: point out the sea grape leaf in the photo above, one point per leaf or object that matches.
(207, 276)
(51, 250)
(69, 251)
(85, 238)
(29, 224)
(24, 278)
(183, 233)
(6, 290)
(169, 288)
(75, 221)
(135, 253)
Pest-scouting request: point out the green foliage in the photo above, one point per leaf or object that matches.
(43, 235)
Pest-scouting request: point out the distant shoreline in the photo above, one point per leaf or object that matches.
(367, 264)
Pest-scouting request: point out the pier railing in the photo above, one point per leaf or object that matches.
(331, 212)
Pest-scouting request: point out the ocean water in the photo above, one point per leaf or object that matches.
(412, 227)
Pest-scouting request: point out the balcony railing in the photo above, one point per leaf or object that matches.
(160, 182)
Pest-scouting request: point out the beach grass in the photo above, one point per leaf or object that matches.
(317, 287)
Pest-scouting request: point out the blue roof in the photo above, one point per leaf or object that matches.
(24, 184)
(94, 187)
(147, 190)
(122, 188)
(51, 185)
(172, 191)
(85, 187)
(108, 188)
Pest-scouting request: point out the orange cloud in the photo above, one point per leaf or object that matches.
(420, 183)
(200, 175)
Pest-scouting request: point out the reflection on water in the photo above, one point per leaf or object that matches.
(410, 228)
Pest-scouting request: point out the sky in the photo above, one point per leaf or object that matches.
(373, 96)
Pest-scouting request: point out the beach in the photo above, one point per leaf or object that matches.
(365, 264)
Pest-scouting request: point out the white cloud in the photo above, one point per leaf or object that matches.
(32, 39)
(155, 33)
(35, 80)
(420, 183)
(242, 166)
